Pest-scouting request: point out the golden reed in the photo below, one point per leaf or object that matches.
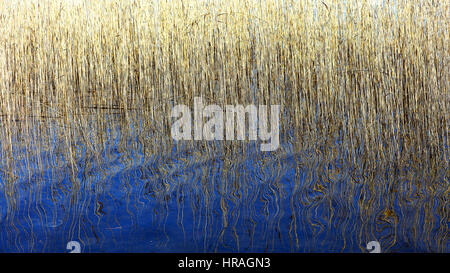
(363, 86)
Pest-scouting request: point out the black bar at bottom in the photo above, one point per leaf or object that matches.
(223, 262)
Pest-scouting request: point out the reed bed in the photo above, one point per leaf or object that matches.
(363, 85)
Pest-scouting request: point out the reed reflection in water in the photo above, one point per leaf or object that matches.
(208, 196)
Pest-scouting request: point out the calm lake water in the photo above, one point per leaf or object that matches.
(184, 201)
